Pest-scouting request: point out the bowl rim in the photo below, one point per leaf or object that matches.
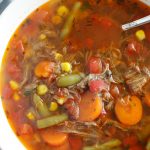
(10, 19)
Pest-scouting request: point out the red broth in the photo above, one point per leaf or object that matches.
(73, 80)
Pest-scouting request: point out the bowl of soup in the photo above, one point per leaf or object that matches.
(71, 78)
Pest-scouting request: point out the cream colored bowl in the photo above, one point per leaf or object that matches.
(11, 18)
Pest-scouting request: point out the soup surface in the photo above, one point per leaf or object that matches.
(73, 80)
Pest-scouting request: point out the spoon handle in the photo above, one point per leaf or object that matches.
(136, 23)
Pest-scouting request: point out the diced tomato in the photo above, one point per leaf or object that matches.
(130, 141)
(135, 48)
(26, 129)
(147, 32)
(7, 92)
(89, 43)
(75, 142)
(98, 85)
(40, 16)
(136, 147)
(14, 71)
(19, 46)
(106, 22)
(95, 65)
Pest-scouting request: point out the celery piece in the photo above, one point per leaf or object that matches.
(51, 121)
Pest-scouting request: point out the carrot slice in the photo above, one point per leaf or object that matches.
(44, 69)
(90, 107)
(131, 113)
(64, 146)
(53, 137)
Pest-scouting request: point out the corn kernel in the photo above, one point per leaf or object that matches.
(56, 20)
(42, 37)
(140, 35)
(53, 106)
(62, 11)
(30, 116)
(58, 56)
(66, 67)
(16, 96)
(61, 100)
(14, 85)
(42, 89)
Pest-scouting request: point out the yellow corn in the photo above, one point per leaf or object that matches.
(140, 35)
(58, 56)
(62, 11)
(53, 106)
(56, 20)
(61, 100)
(66, 67)
(16, 96)
(42, 37)
(30, 116)
(42, 89)
(14, 85)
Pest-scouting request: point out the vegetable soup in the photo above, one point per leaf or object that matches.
(73, 80)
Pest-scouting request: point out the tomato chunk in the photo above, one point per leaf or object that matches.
(98, 85)
(95, 65)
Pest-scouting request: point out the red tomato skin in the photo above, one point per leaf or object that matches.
(97, 85)
(6, 92)
(95, 65)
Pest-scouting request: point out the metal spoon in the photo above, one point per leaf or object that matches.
(136, 23)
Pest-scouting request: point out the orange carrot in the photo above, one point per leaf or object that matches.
(147, 99)
(53, 137)
(130, 113)
(90, 107)
(64, 146)
(44, 69)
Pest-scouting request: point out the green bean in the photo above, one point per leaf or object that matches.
(68, 80)
(40, 106)
(51, 121)
(110, 145)
(68, 25)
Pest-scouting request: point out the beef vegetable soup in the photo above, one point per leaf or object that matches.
(73, 80)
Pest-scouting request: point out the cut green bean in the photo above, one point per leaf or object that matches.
(110, 145)
(51, 121)
(40, 106)
(69, 23)
(148, 145)
(68, 80)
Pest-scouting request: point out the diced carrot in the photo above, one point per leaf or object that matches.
(130, 113)
(53, 137)
(130, 141)
(44, 69)
(147, 99)
(75, 142)
(90, 107)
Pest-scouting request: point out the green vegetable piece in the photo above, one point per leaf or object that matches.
(110, 145)
(40, 106)
(68, 80)
(68, 25)
(51, 121)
